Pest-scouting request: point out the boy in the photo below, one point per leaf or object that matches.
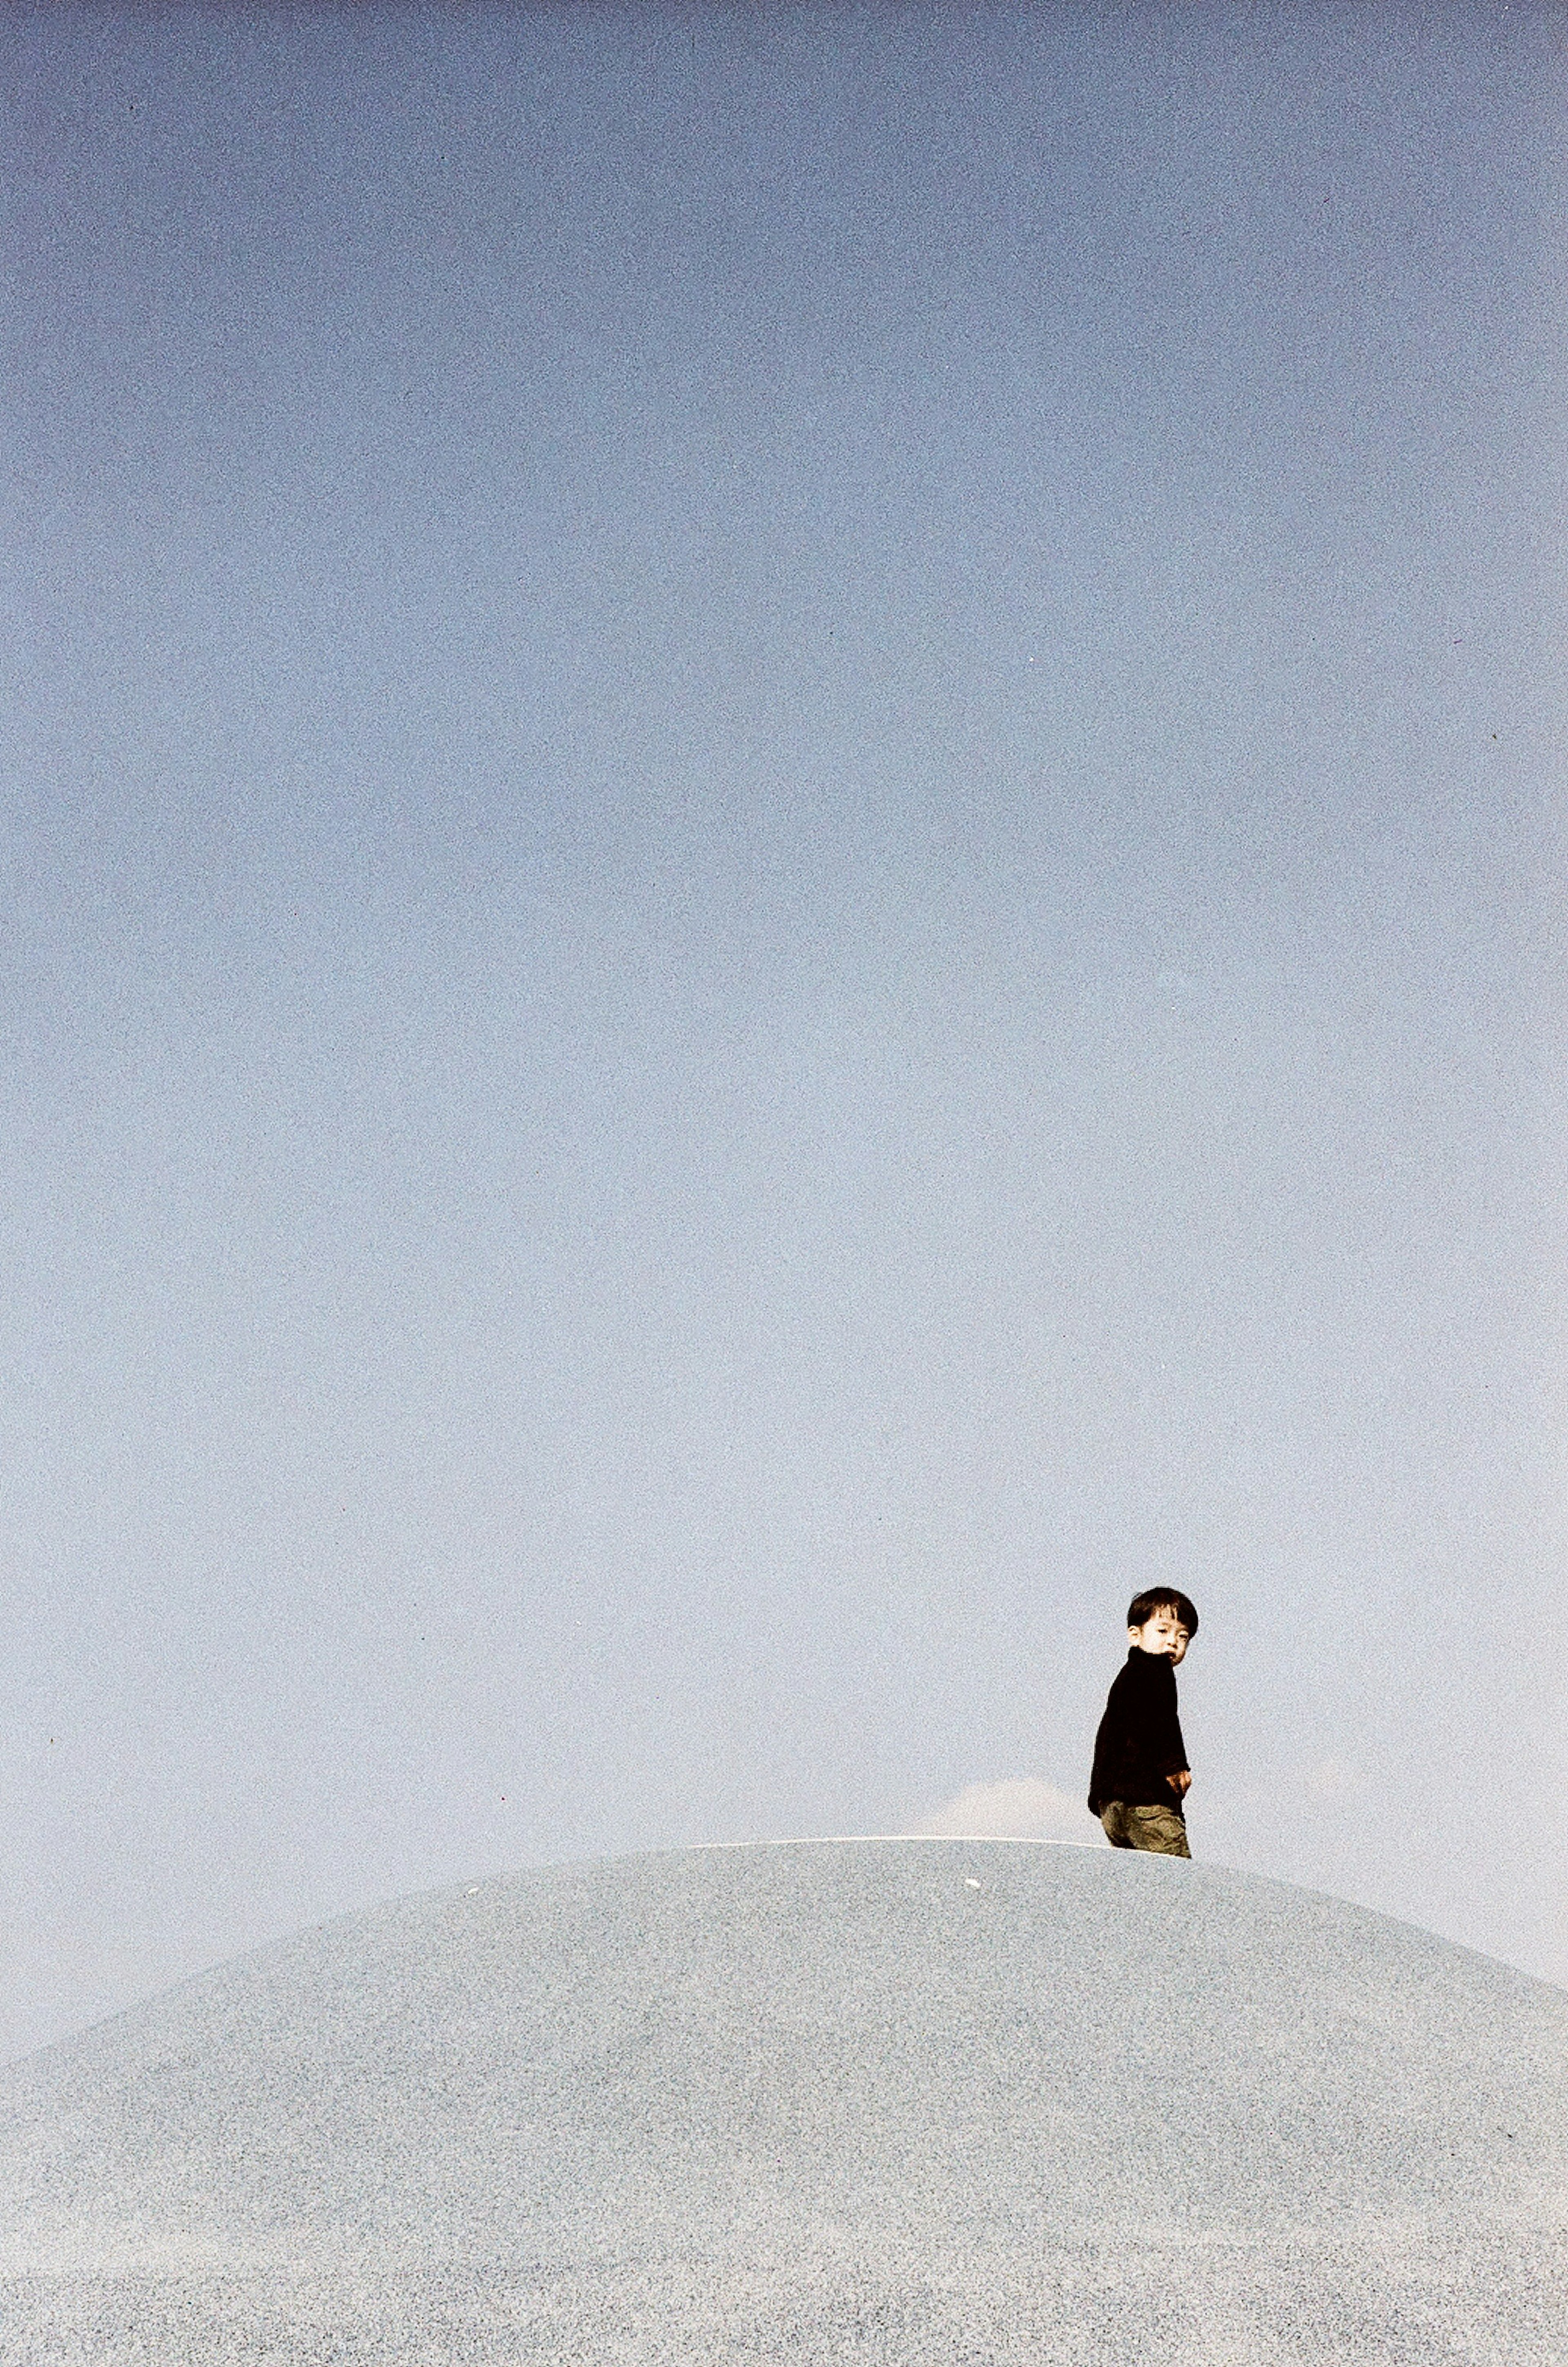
(1141, 1775)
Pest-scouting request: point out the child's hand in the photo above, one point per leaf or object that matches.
(1181, 1782)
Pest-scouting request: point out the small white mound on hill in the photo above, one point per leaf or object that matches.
(1016, 1807)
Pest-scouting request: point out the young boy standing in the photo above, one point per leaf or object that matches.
(1141, 1775)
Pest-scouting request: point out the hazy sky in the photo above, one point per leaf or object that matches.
(783, 884)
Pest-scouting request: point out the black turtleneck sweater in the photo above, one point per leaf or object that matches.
(1139, 1742)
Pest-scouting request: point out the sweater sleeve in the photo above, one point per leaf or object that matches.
(1167, 1750)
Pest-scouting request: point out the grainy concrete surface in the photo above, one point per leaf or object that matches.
(973, 2102)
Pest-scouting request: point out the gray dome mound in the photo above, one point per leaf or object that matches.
(911, 2101)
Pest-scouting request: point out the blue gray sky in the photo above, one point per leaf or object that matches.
(783, 861)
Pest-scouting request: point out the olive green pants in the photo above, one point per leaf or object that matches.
(1160, 1829)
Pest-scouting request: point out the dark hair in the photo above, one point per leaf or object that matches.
(1141, 1608)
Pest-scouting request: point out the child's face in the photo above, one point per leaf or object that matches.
(1164, 1633)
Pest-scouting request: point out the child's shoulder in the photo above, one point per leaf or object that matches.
(1141, 1672)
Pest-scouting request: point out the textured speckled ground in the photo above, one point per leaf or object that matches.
(924, 2101)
